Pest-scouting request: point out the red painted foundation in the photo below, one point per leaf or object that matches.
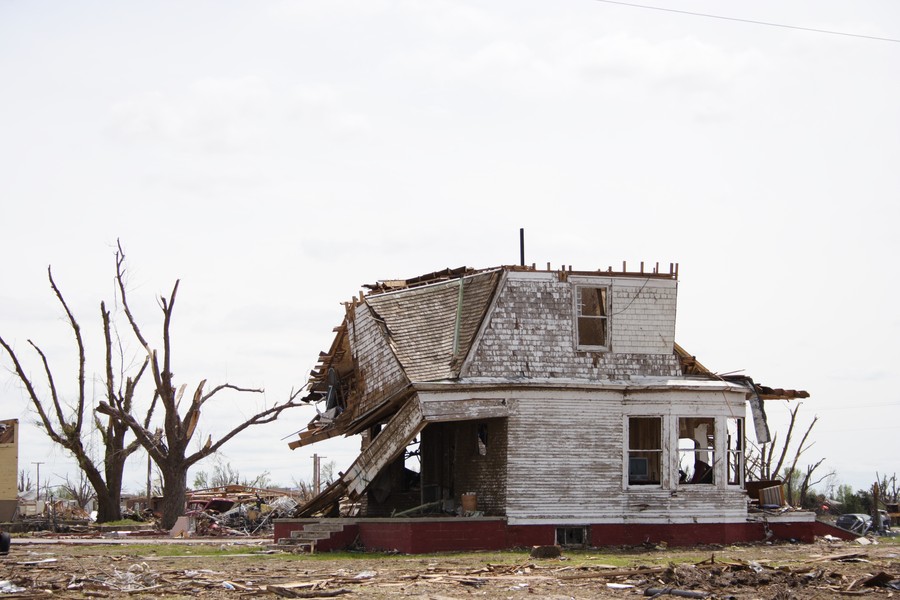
(418, 536)
(441, 535)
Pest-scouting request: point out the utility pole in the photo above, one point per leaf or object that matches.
(38, 479)
(317, 482)
(149, 490)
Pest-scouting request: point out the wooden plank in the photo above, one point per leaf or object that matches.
(399, 431)
(438, 410)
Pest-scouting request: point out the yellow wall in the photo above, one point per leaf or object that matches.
(9, 459)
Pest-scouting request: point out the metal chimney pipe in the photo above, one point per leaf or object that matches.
(522, 246)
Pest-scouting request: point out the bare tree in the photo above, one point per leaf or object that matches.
(807, 482)
(759, 461)
(890, 491)
(25, 484)
(79, 490)
(168, 444)
(224, 474)
(69, 424)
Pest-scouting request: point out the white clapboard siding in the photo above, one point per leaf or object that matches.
(567, 455)
(530, 331)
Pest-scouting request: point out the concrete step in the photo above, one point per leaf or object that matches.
(292, 547)
(308, 536)
(292, 542)
(314, 531)
(330, 527)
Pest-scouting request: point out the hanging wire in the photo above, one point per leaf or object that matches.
(752, 21)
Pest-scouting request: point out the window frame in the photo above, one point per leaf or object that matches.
(606, 317)
(713, 450)
(737, 452)
(721, 451)
(660, 451)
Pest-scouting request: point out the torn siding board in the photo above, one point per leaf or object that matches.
(760, 424)
(531, 332)
(392, 440)
(446, 407)
(379, 374)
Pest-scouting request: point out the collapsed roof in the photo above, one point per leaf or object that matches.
(429, 324)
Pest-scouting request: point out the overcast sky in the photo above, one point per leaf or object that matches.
(275, 155)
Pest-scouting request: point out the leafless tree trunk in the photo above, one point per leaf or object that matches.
(68, 425)
(168, 444)
(890, 492)
(808, 481)
(25, 484)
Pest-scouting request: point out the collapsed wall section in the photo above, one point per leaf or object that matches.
(466, 457)
(379, 374)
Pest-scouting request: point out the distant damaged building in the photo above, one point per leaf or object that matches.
(541, 407)
(9, 468)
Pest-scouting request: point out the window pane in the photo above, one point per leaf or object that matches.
(592, 302)
(591, 331)
(645, 433)
(644, 450)
(591, 317)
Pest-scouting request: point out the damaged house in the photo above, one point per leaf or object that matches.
(539, 407)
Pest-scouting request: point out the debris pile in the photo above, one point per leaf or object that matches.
(237, 510)
(764, 572)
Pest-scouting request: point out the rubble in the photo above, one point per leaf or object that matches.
(237, 510)
(760, 571)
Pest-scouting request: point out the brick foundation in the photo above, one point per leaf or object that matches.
(418, 536)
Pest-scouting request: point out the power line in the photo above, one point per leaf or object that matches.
(856, 406)
(751, 21)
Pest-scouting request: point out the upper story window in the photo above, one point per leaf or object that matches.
(592, 317)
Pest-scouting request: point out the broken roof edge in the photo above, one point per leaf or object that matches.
(555, 383)
(690, 366)
(347, 427)
(765, 392)
(386, 286)
(468, 274)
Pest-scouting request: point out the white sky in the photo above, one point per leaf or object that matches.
(277, 155)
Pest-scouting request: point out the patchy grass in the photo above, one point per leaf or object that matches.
(223, 549)
(123, 523)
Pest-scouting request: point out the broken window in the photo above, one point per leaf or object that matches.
(696, 449)
(571, 536)
(644, 450)
(592, 317)
(7, 433)
(482, 439)
(735, 428)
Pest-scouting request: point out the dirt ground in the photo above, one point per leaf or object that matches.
(233, 568)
